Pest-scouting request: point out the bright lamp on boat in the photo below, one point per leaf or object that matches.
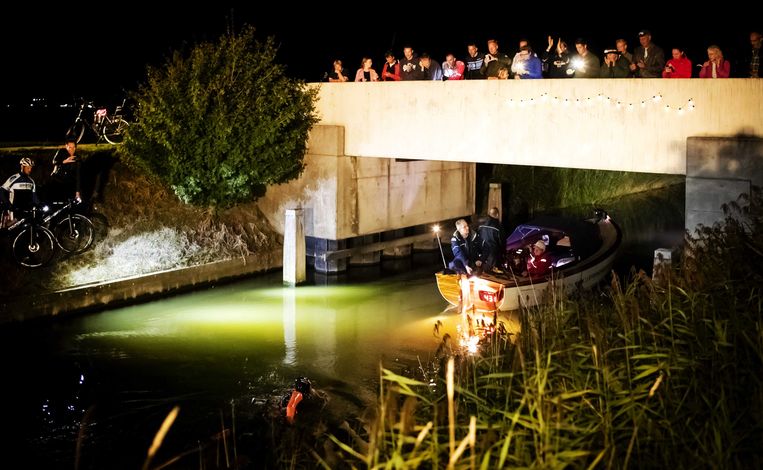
(436, 228)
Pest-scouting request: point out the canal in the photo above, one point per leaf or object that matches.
(104, 382)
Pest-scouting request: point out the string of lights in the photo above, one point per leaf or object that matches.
(606, 101)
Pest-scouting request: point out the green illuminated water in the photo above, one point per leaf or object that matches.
(238, 346)
(243, 343)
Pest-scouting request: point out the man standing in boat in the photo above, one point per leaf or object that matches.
(493, 237)
(467, 249)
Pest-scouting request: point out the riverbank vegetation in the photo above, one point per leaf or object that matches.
(530, 190)
(644, 375)
(141, 227)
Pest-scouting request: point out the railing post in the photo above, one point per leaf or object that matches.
(294, 255)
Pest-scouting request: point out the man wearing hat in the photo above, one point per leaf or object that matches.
(614, 66)
(649, 59)
(538, 264)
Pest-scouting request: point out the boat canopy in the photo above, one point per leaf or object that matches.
(584, 235)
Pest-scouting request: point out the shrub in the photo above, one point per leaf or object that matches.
(221, 122)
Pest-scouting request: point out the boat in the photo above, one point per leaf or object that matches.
(579, 252)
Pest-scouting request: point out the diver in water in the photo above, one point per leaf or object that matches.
(301, 391)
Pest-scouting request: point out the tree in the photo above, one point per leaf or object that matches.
(219, 123)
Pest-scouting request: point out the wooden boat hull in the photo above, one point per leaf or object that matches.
(490, 293)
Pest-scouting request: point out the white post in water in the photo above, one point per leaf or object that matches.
(661, 267)
(294, 270)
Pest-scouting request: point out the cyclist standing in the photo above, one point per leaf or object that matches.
(19, 192)
(65, 179)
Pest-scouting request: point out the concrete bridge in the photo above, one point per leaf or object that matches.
(389, 158)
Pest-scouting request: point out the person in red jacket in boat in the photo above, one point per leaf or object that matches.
(537, 264)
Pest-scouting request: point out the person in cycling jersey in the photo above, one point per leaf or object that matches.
(65, 179)
(19, 192)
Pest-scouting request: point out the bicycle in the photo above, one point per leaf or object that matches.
(73, 232)
(33, 244)
(110, 128)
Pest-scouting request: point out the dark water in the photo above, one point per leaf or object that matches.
(236, 349)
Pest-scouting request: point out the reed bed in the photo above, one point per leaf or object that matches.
(639, 375)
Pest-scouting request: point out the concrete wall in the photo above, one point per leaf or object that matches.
(345, 197)
(483, 121)
(134, 289)
(718, 170)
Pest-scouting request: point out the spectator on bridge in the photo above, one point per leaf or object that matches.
(516, 61)
(716, 66)
(493, 239)
(649, 58)
(613, 66)
(412, 70)
(679, 66)
(494, 60)
(622, 47)
(391, 69)
(753, 58)
(365, 73)
(431, 68)
(338, 75)
(558, 61)
(452, 68)
(503, 74)
(473, 62)
(467, 249)
(586, 64)
(528, 65)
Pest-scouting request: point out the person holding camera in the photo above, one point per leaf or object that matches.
(679, 66)
(494, 60)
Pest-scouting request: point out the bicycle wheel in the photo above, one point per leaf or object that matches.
(74, 233)
(114, 132)
(77, 130)
(33, 247)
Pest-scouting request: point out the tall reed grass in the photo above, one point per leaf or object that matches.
(637, 376)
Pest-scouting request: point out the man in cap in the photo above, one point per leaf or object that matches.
(614, 66)
(538, 264)
(649, 59)
(493, 238)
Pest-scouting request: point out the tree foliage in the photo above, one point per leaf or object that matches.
(222, 121)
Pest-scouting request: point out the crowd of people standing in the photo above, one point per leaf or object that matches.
(556, 60)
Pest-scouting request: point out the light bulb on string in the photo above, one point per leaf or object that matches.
(631, 107)
(657, 98)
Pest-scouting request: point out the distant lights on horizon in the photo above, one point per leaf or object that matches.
(607, 101)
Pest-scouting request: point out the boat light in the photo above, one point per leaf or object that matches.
(436, 228)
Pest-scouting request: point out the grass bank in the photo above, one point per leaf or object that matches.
(142, 227)
(532, 190)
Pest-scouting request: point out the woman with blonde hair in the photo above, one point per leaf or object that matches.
(716, 66)
(365, 73)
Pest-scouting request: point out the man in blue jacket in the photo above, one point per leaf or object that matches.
(467, 249)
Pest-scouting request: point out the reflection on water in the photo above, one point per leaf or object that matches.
(244, 343)
(116, 374)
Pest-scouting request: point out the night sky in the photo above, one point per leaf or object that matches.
(68, 51)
